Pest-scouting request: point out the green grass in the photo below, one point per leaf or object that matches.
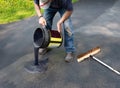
(74, 1)
(14, 10)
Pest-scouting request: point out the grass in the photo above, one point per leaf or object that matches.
(73, 1)
(14, 10)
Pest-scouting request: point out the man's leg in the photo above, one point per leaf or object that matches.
(48, 15)
(68, 38)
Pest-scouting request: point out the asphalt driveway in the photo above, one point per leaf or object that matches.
(96, 23)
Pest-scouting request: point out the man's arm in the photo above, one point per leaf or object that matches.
(42, 20)
(69, 9)
(66, 15)
(37, 9)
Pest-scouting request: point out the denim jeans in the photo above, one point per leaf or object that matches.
(67, 27)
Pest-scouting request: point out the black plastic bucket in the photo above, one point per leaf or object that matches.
(44, 38)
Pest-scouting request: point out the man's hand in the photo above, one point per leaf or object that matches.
(42, 21)
(59, 26)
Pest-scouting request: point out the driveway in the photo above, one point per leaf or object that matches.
(96, 23)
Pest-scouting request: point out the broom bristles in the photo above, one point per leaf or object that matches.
(91, 52)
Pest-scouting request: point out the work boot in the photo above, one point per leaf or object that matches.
(69, 57)
(42, 51)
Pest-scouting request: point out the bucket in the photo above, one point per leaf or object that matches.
(44, 38)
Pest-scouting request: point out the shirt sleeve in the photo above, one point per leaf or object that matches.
(36, 1)
(68, 5)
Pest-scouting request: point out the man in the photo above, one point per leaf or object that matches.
(65, 9)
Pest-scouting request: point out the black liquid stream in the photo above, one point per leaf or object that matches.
(36, 50)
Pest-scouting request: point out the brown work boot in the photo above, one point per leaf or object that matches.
(69, 57)
(42, 51)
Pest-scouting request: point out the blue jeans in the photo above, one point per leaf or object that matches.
(67, 26)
